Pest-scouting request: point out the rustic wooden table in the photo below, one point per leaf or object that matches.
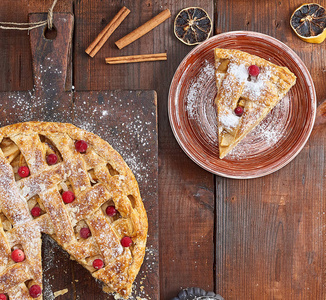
(258, 239)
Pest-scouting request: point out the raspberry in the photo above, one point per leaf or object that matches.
(23, 171)
(238, 111)
(253, 70)
(35, 291)
(36, 211)
(111, 211)
(3, 297)
(81, 146)
(85, 233)
(18, 255)
(98, 264)
(68, 196)
(126, 241)
(52, 159)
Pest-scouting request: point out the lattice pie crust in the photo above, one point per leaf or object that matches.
(256, 95)
(98, 178)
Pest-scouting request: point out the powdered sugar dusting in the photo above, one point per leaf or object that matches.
(31, 105)
(265, 135)
(142, 285)
(131, 133)
(253, 86)
(240, 72)
(196, 87)
(50, 261)
(15, 207)
(229, 120)
(47, 290)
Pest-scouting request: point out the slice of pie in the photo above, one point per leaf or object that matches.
(70, 184)
(249, 87)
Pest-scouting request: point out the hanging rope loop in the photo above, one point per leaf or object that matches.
(50, 15)
(30, 26)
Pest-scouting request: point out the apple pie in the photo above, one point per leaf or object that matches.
(248, 87)
(68, 183)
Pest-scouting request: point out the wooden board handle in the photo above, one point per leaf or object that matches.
(50, 56)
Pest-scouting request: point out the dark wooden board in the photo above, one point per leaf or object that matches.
(126, 119)
(271, 231)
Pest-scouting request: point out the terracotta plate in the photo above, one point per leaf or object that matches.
(273, 143)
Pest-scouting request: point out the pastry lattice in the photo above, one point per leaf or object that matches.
(98, 178)
(257, 95)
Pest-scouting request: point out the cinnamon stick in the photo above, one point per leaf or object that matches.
(136, 58)
(143, 29)
(97, 44)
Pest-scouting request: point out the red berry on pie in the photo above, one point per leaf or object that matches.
(126, 241)
(35, 291)
(68, 196)
(3, 297)
(253, 70)
(36, 211)
(18, 255)
(23, 171)
(98, 264)
(238, 111)
(111, 211)
(52, 159)
(81, 146)
(85, 233)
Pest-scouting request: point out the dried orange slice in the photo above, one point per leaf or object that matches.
(309, 23)
(192, 25)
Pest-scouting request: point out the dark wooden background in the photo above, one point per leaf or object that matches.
(258, 239)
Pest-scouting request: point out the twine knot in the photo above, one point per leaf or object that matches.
(22, 26)
(50, 15)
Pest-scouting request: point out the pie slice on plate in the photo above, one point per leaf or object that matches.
(249, 87)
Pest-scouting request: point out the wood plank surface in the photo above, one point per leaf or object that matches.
(187, 211)
(271, 231)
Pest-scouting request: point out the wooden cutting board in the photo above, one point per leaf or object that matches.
(125, 119)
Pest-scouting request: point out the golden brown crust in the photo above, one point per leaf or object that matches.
(257, 95)
(98, 178)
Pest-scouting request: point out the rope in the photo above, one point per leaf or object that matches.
(20, 26)
(50, 14)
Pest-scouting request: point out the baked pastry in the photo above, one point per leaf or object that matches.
(68, 183)
(249, 87)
